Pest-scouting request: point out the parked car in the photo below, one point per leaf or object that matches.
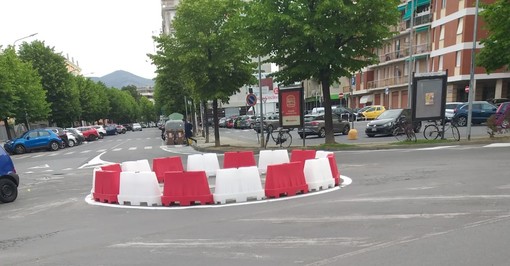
(78, 135)
(359, 112)
(481, 111)
(246, 121)
(71, 140)
(61, 134)
(100, 129)
(222, 122)
(385, 123)
(344, 112)
(111, 129)
(9, 179)
(498, 101)
(136, 127)
(316, 125)
(89, 133)
(35, 139)
(128, 126)
(374, 111)
(121, 129)
(271, 121)
(449, 110)
(503, 115)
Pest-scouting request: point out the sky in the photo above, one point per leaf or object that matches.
(101, 35)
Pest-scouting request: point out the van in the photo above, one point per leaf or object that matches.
(9, 180)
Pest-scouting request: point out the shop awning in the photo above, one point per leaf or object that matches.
(417, 3)
(365, 99)
(422, 28)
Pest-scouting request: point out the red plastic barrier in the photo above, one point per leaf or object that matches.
(302, 155)
(287, 178)
(239, 159)
(112, 167)
(167, 164)
(186, 188)
(334, 169)
(106, 186)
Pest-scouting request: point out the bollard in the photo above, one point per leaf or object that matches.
(353, 134)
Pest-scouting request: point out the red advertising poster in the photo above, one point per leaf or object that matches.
(290, 108)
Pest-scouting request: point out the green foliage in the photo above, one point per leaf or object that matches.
(20, 86)
(147, 113)
(496, 51)
(493, 128)
(93, 99)
(320, 40)
(124, 108)
(61, 91)
(133, 91)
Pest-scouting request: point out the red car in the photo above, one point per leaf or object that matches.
(89, 133)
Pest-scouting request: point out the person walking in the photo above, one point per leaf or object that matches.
(188, 132)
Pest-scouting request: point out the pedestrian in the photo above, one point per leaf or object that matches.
(188, 132)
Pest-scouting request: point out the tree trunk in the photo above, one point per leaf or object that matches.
(6, 123)
(204, 121)
(330, 136)
(215, 122)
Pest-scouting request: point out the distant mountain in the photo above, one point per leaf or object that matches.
(121, 78)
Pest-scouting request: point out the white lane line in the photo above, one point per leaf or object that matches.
(38, 155)
(330, 219)
(101, 150)
(437, 148)
(67, 153)
(497, 145)
(117, 149)
(148, 138)
(95, 162)
(453, 197)
(53, 154)
(132, 148)
(87, 151)
(40, 166)
(21, 157)
(148, 147)
(67, 169)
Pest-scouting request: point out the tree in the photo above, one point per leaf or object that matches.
(124, 108)
(212, 55)
(93, 99)
(22, 94)
(61, 91)
(319, 40)
(496, 51)
(147, 113)
(133, 90)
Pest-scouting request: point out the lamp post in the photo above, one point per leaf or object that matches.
(22, 38)
(471, 92)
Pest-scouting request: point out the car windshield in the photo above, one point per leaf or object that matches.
(389, 114)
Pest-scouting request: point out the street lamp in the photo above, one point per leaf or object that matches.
(28, 36)
(471, 92)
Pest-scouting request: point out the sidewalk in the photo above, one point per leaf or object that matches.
(231, 144)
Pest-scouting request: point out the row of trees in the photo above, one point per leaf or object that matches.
(36, 86)
(208, 57)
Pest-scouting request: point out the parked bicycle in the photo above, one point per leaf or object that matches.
(446, 130)
(404, 130)
(280, 136)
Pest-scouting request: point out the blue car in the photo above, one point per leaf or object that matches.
(9, 180)
(481, 111)
(34, 139)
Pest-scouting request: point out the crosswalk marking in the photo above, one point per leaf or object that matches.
(148, 147)
(101, 150)
(67, 153)
(117, 149)
(53, 154)
(132, 148)
(87, 151)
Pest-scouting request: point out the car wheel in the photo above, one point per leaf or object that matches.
(71, 143)
(346, 130)
(322, 133)
(8, 190)
(370, 135)
(461, 121)
(101, 135)
(54, 146)
(270, 128)
(92, 137)
(19, 149)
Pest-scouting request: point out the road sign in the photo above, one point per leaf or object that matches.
(251, 99)
(466, 89)
(341, 95)
(386, 91)
(275, 90)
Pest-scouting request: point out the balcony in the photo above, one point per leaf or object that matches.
(391, 81)
(417, 49)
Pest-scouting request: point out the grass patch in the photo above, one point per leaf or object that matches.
(336, 146)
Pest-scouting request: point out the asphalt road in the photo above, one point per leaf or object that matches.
(432, 206)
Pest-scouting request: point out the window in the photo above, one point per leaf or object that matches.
(33, 134)
(441, 33)
(460, 26)
(44, 133)
(457, 59)
(443, 4)
(440, 63)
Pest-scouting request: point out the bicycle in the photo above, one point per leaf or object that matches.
(404, 130)
(432, 131)
(280, 136)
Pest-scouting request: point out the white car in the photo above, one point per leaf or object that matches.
(449, 110)
(71, 139)
(136, 127)
(100, 129)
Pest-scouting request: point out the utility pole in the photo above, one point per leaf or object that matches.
(471, 92)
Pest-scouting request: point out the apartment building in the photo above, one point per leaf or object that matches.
(442, 39)
(168, 10)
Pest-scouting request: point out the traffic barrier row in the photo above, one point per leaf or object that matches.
(135, 183)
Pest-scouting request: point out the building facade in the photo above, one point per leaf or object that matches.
(439, 38)
(168, 10)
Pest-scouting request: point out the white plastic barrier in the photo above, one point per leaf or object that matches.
(238, 184)
(269, 157)
(207, 162)
(94, 179)
(322, 154)
(318, 174)
(136, 166)
(137, 188)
